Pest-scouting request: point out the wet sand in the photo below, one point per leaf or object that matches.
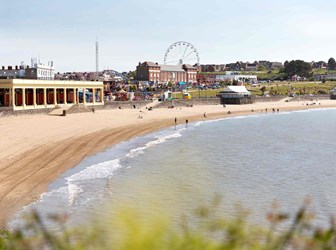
(36, 149)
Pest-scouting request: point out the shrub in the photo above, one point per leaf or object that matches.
(204, 229)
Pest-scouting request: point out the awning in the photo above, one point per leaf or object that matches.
(236, 89)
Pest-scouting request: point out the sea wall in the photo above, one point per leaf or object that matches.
(268, 99)
(188, 103)
(8, 111)
(310, 98)
(123, 104)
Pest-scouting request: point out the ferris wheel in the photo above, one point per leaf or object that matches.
(181, 53)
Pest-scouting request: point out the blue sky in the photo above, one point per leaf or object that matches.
(131, 31)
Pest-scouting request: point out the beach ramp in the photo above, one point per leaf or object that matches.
(60, 110)
(79, 108)
(287, 99)
(154, 103)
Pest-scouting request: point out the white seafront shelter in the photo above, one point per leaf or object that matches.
(236, 95)
(235, 91)
(22, 94)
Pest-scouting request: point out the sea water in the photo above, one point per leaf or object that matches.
(248, 160)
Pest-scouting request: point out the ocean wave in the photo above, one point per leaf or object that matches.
(246, 116)
(73, 190)
(96, 171)
(18, 222)
(158, 140)
(106, 169)
(199, 123)
(312, 110)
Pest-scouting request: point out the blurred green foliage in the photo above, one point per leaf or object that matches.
(204, 229)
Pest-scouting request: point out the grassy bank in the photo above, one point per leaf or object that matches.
(274, 88)
(275, 74)
(298, 88)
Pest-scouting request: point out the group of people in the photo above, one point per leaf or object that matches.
(314, 103)
(185, 121)
(273, 110)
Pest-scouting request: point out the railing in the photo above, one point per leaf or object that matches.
(234, 95)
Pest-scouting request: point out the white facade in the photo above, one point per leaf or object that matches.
(43, 72)
(235, 77)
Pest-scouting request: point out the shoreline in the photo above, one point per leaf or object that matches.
(62, 142)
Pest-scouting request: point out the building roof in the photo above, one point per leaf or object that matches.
(188, 66)
(151, 64)
(172, 68)
(24, 83)
(236, 89)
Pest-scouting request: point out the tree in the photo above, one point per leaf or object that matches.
(331, 64)
(261, 68)
(263, 89)
(131, 74)
(297, 67)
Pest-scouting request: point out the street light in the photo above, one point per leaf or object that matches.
(199, 89)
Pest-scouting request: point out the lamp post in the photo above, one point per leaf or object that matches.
(199, 90)
(173, 83)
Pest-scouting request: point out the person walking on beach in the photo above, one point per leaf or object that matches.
(204, 115)
(187, 123)
(175, 120)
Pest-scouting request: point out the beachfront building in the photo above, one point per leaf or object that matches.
(37, 70)
(162, 74)
(22, 94)
(234, 76)
(235, 95)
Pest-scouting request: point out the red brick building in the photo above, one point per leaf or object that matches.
(157, 73)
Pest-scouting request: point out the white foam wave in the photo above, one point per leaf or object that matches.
(245, 116)
(107, 168)
(313, 110)
(73, 190)
(210, 121)
(97, 171)
(136, 152)
(284, 113)
(261, 114)
(17, 221)
(158, 140)
(196, 124)
(302, 111)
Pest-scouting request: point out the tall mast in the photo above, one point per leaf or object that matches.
(97, 61)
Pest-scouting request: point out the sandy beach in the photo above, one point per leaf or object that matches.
(36, 149)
